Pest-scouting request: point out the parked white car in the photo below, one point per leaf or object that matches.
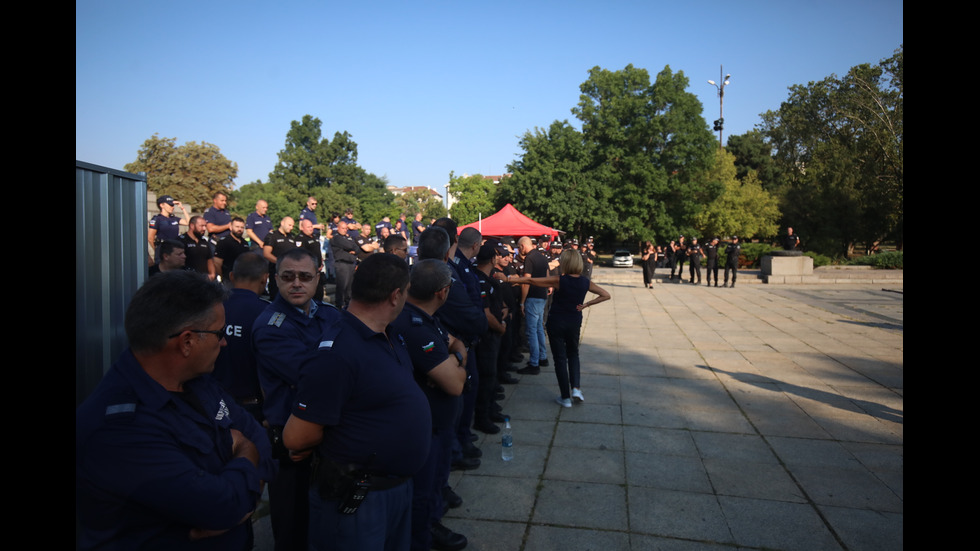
(622, 259)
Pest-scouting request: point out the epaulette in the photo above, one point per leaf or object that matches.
(277, 319)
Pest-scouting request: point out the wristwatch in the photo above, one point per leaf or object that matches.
(459, 358)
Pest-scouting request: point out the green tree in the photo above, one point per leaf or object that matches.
(743, 208)
(839, 142)
(649, 145)
(327, 169)
(473, 195)
(191, 173)
(753, 153)
(553, 184)
(420, 200)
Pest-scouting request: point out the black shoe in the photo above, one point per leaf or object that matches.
(473, 437)
(529, 370)
(495, 407)
(485, 426)
(466, 463)
(444, 539)
(451, 498)
(471, 451)
(497, 417)
(499, 396)
(498, 388)
(508, 379)
(515, 358)
(543, 362)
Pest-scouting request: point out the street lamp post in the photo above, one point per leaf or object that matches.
(720, 123)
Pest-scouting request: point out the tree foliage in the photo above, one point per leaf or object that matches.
(552, 182)
(420, 200)
(191, 173)
(473, 195)
(839, 143)
(649, 147)
(309, 165)
(743, 208)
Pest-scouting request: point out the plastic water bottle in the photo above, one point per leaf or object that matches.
(506, 442)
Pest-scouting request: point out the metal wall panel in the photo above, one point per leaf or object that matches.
(110, 265)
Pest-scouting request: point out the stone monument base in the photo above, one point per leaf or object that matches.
(788, 267)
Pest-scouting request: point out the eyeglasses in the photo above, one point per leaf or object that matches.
(288, 276)
(220, 333)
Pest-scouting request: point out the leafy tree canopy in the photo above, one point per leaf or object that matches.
(474, 196)
(191, 173)
(743, 208)
(554, 183)
(310, 165)
(839, 143)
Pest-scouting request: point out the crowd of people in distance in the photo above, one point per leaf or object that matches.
(679, 251)
(241, 373)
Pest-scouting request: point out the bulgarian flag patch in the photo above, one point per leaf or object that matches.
(429, 347)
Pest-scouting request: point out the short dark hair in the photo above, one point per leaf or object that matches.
(250, 266)
(217, 193)
(450, 226)
(168, 303)
(168, 246)
(428, 277)
(297, 253)
(377, 277)
(392, 241)
(433, 243)
(469, 237)
(238, 219)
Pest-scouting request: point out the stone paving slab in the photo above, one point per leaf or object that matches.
(754, 418)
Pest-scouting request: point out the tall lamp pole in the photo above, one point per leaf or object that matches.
(720, 123)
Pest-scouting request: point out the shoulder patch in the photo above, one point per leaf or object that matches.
(116, 409)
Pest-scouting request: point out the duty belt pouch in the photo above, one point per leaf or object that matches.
(279, 450)
(333, 481)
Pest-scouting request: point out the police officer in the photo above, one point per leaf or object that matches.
(161, 457)
(439, 361)
(166, 225)
(217, 217)
(680, 255)
(229, 248)
(732, 252)
(711, 253)
(489, 347)
(309, 213)
(285, 339)
(344, 260)
(235, 369)
(277, 243)
(257, 224)
(359, 406)
(791, 241)
(306, 240)
(694, 253)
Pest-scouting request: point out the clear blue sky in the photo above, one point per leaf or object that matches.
(426, 87)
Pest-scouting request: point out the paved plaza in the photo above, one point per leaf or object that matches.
(760, 417)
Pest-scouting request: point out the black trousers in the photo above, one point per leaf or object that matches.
(345, 277)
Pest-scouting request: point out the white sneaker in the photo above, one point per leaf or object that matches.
(577, 395)
(565, 403)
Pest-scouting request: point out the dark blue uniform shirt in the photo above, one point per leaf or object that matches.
(360, 387)
(149, 467)
(284, 340)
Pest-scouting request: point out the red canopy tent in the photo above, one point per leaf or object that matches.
(509, 221)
